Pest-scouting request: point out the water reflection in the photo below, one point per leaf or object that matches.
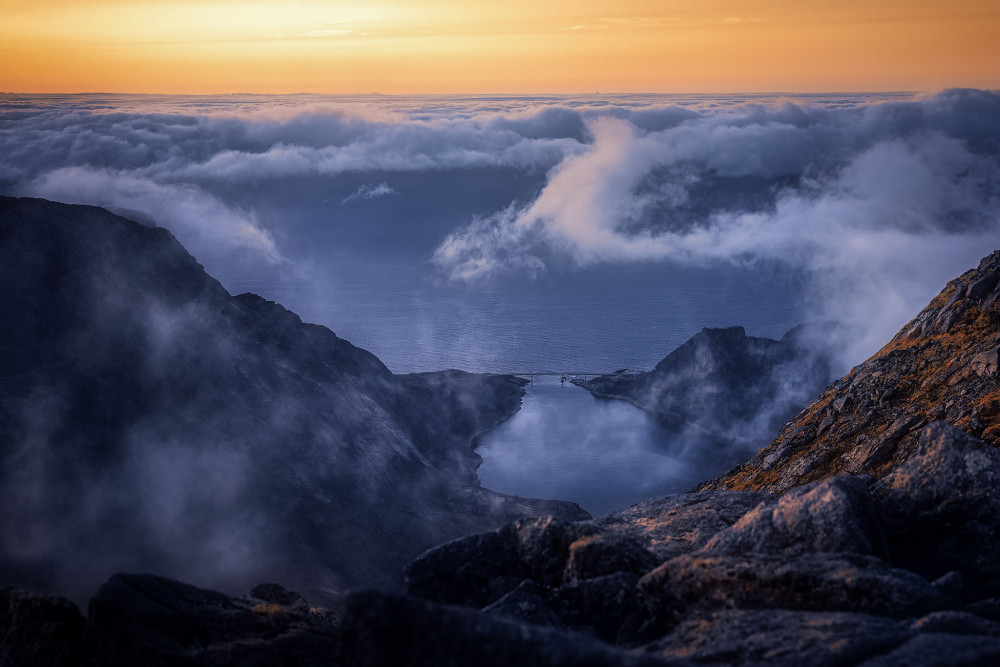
(602, 454)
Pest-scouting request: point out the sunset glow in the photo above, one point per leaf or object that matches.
(519, 46)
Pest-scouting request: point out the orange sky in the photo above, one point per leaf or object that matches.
(514, 46)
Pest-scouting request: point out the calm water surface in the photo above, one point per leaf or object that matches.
(603, 454)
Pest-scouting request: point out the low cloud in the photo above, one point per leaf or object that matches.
(200, 220)
(876, 205)
(368, 192)
(875, 201)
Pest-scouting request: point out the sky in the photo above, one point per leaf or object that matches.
(513, 46)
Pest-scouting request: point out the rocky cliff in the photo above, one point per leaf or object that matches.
(150, 421)
(845, 571)
(723, 382)
(941, 366)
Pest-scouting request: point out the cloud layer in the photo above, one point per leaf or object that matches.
(873, 200)
(874, 204)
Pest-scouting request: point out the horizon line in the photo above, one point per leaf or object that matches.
(507, 94)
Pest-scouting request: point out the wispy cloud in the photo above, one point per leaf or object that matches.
(368, 192)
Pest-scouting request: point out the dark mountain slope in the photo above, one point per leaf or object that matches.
(151, 421)
(941, 366)
(724, 382)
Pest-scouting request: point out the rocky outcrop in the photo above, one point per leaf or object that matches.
(147, 620)
(941, 509)
(941, 366)
(39, 630)
(679, 524)
(142, 619)
(832, 572)
(382, 630)
(723, 382)
(150, 421)
(781, 637)
(835, 515)
(806, 582)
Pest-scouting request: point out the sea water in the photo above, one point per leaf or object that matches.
(601, 453)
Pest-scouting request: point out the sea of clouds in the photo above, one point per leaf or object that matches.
(873, 201)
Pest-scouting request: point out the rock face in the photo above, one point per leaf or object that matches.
(730, 384)
(151, 421)
(834, 515)
(951, 481)
(833, 572)
(942, 366)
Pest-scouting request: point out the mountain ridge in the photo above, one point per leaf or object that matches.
(153, 422)
(942, 365)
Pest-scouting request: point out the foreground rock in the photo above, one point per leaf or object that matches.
(829, 573)
(147, 620)
(942, 366)
(941, 509)
(387, 631)
(807, 582)
(781, 637)
(835, 515)
(150, 421)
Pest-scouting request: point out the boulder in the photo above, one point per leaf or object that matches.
(388, 630)
(867, 457)
(809, 582)
(985, 364)
(983, 286)
(941, 649)
(837, 514)
(956, 623)
(39, 630)
(474, 571)
(544, 546)
(781, 637)
(478, 570)
(148, 620)
(606, 607)
(526, 604)
(941, 509)
(601, 554)
(277, 594)
(950, 586)
(679, 524)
